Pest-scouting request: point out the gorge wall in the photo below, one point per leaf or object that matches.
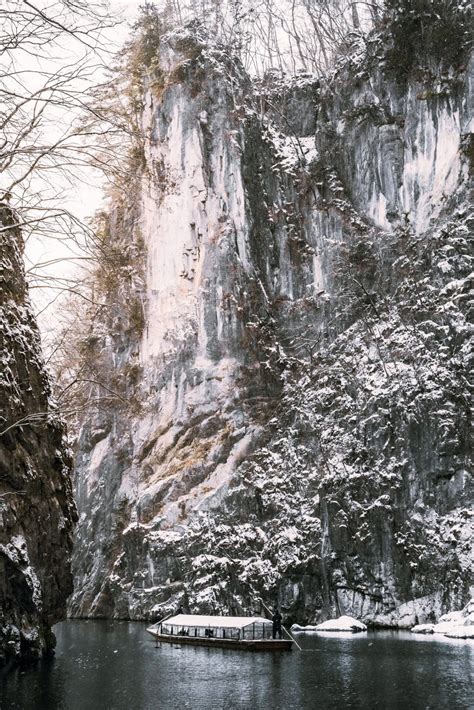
(286, 335)
(37, 510)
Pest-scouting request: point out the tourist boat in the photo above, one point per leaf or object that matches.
(252, 633)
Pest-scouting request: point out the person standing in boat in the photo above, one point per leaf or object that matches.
(276, 619)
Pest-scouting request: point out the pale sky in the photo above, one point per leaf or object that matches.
(87, 195)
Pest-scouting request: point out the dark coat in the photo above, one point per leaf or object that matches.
(277, 618)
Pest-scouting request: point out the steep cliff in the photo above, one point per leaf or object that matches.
(36, 504)
(288, 334)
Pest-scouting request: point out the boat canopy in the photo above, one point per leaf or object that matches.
(228, 622)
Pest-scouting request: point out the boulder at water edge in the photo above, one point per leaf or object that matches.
(343, 623)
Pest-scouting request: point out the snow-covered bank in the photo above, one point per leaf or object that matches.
(343, 623)
(456, 624)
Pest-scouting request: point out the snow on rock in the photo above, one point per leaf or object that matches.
(303, 629)
(448, 622)
(456, 624)
(423, 629)
(343, 623)
(16, 552)
(293, 352)
(460, 632)
(36, 505)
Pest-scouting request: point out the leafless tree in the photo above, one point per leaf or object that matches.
(53, 129)
(280, 34)
(53, 126)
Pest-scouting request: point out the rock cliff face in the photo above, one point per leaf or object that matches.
(36, 505)
(288, 334)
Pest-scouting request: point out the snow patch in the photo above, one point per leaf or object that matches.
(343, 623)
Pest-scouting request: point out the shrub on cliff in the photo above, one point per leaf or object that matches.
(425, 31)
(141, 52)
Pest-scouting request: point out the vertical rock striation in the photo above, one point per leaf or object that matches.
(36, 505)
(293, 419)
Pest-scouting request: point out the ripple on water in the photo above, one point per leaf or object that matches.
(105, 665)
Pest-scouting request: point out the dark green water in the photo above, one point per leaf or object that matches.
(116, 666)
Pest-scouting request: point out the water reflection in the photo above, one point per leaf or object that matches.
(115, 666)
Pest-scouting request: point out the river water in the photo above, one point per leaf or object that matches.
(101, 665)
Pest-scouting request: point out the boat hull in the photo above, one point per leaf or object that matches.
(242, 645)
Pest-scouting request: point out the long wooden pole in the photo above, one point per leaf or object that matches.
(158, 623)
(283, 627)
(164, 619)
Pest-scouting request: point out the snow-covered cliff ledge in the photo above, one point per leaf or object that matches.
(297, 418)
(36, 506)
